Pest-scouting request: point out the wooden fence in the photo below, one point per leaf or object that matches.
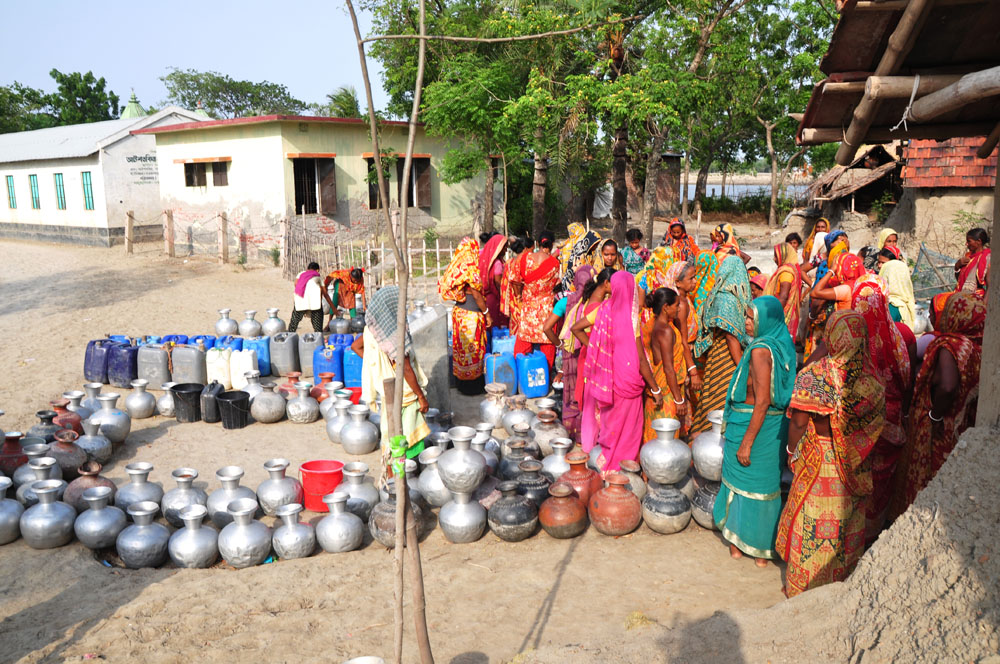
(427, 260)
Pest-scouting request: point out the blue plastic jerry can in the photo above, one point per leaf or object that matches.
(263, 347)
(502, 368)
(330, 359)
(533, 374)
(352, 368)
(207, 340)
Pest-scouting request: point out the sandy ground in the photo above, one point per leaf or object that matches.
(487, 601)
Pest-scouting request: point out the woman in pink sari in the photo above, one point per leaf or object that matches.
(491, 269)
(616, 371)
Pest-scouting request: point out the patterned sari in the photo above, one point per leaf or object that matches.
(668, 407)
(489, 258)
(929, 443)
(729, 246)
(632, 260)
(789, 271)
(684, 248)
(571, 346)
(597, 260)
(821, 533)
(707, 268)
(537, 296)
(468, 326)
(724, 312)
(972, 277)
(510, 305)
(749, 502)
(654, 272)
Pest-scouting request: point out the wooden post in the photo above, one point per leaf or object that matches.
(168, 233)
(423, 262)
(988, 413)
(223, 238)
(129, 230)
(283, 225)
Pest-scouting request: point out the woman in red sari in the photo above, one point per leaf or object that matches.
(491, 274)
(535, 279)
(616, 371)
(836, 416)
(470, 318)
(973, 269)
(510, 305)
(944, 398)
(680, 242)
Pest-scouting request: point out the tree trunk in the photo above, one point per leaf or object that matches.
(702, 181)
(649, 193)
(538, 195)
(619, 187)
(685, 204)
(772, 215)
(488, 197)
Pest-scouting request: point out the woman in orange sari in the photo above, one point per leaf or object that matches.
(664, 347)
(470, 318)
(535, 278)
(725, 242)
(786, 284)
(836, 415)
(680, 242)
(945, 396)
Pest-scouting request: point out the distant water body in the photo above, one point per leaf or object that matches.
(738, 191)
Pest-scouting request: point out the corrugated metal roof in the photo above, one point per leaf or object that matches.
(78, 140)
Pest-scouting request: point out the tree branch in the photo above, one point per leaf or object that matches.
(504, 40)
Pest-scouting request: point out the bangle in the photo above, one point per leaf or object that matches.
(676, 402)
(694, 369)
(790, 453)
(930, 414)
(656, 391)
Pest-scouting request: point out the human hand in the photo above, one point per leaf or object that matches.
(682, 409)
(658, 399)
(422, 402)
(743, 454)
(696, 381)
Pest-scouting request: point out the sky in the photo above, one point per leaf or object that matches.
(306, 45)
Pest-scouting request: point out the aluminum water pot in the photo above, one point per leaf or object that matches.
(293, 539)
(665, 459)
(226, 326)
(278, 490)
(194, 546)
(49, 524)
(10, 514)
(144, 543)
(340, 531)
(99, 525)
(139, 488)
(249, 327)
(140, 404)
(244, 542)
(707, 448)
(175, 500)
(114, 424)
(273, 325)
(359, 436)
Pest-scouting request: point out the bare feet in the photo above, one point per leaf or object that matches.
(734, 552)
(760, 562)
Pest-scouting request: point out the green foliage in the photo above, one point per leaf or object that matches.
(821, 157)
(430, 236)
(964, 221)
(225, 97)
(241, 259)
(883, 206)
(341, 103)
(275, 253)
(81, 98)
(23, 109)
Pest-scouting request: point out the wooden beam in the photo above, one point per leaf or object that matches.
(900, 43)
(202, 160)
(986, 149)
(818, 135)
(900, 5)
(901, 87)
(966, 90)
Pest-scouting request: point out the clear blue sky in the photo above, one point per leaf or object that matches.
(307, 45)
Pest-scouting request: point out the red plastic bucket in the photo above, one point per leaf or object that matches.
(320, 477)
(355, 394)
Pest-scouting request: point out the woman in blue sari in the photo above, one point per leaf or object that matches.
(749, 502)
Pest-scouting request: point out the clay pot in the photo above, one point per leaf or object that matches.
(513, 517)
(510, 465)
(89, 477)
(67, 453)
(532, 483)
(319, 391)
(614, 510)
(563, 515)
(585, 481)
(66, 418)
(46, 428)
(11, 454)
(287, 389)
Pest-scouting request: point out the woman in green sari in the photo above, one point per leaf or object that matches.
(749, 502)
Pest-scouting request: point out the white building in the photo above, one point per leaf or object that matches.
(76, 183)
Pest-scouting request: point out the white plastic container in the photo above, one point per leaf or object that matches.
(217, 362)
(240, 362)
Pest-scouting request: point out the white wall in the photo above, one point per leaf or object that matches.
(131, 181)
(48, 213)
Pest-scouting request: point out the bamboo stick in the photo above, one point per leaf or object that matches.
(901, 87)
(966, 90)
(817, 135)
(986, 149)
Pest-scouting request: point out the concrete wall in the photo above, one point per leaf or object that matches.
(131, 182)
(933, 216)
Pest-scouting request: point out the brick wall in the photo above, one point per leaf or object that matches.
(951, 163)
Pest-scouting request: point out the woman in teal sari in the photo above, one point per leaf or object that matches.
(749, 502)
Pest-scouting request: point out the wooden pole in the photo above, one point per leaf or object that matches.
(817, 135)
(988, 413)
(423, 262)
(223, 238)
(966, 90)
(129, 230)
(990, 144)
(900, 43)
(168, 233)
(901, 87)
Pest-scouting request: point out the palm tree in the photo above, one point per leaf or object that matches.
(343, 102)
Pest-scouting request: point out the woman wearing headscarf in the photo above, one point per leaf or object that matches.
(616, 372)
(722, 337)
(535, 278)
(576, 254)
(606, 254)
(838, 284)
(379, 351)
(680, 242)
(836, 415)
(570, 348)
(470, 318)
(654, 273)
(973, 270)
(749, 502)
(786, 284)
(725, 242)
(889, 239)
(896, 276)
(821, 227)
(664, 347)
(944, 398)
(491, 274)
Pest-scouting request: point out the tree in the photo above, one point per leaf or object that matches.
(224, 97)
(23, 109)
(341, 103)
(81, 98)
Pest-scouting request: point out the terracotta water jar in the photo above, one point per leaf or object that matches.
(563, 515)
(89, 477)
(614, 510)
(584, 481)
(66, 418)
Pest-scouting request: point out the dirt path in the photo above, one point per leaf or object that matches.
(487, 601)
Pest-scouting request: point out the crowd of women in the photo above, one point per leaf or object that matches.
(815, 366)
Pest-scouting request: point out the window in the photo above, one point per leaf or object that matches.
(194, 175)
(373, 194)
(220, 174)
(304, 174)
(60, 192)
(11, 198)
(88, 191)
(35, 202)
(418, 191)
(327, 172)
